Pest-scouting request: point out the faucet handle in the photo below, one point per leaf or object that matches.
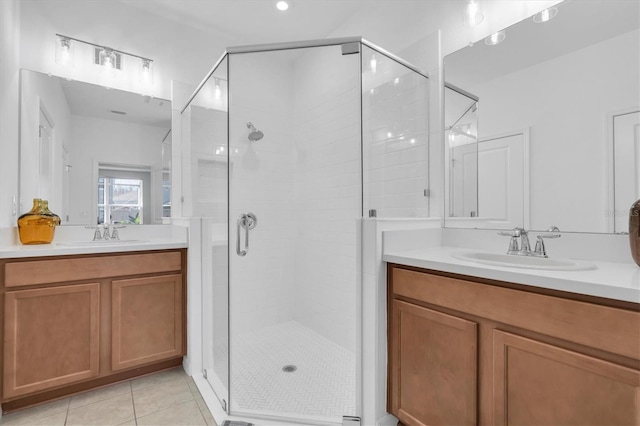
(540, 250)
(516, 232)
(552, 232)
(97, 235)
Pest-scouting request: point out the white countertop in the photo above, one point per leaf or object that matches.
(54, 249)
(74, 240)
(612, 280)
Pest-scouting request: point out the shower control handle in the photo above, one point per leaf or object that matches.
(248, 221)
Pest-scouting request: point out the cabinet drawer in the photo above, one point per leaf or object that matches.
(575, 321)
(89, 268)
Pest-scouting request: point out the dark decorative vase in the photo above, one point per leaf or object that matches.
(634, 231)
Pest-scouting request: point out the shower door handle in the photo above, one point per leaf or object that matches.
(248, 221)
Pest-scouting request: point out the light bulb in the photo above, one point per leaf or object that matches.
(472, 16)
(64, 54)
(146, 71)
(217, 91)
(282, 5)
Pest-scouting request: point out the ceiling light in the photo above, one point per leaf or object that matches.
(110, 59)
(495, 38)
(64, 53)
(545, 15)
(217, 90)
(282, 5)
(472, 14)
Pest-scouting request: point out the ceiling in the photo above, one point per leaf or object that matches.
(258, 21)
(90, 100)
(578, 24)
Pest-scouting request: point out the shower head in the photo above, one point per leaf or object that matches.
(255, 134)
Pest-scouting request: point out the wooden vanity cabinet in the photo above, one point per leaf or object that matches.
(470, 351)
(75, 322)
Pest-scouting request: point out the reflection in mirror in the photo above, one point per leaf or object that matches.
(98, 155)
(461, 151)
(557, 104)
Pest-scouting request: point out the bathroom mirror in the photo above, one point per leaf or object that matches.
(98, 155)
(556, 116)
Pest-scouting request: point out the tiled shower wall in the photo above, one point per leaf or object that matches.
(395, 138)
(327, 192)
(261, 173)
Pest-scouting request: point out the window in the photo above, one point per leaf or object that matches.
(120, 200)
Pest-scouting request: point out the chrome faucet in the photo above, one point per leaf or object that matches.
(524, 248)
(97, 235)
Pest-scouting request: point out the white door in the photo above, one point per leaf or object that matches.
(501, 180)
(626, 149)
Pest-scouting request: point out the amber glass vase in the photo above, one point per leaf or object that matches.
(37, 226)
(47, 212)
(634, 231)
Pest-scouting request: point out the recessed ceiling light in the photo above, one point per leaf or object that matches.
(495, 38)
(282, 5)
(545, 15)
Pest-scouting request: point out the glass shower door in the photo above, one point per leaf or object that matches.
(295, 204)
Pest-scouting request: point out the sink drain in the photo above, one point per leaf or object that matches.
(289, 368)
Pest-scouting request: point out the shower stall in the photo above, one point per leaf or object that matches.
(285, 149)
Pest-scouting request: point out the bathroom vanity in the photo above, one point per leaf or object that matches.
(75, 321)
(469, 350)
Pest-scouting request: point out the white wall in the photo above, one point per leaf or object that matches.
(94, 141)
(9, 101)
(568, 146)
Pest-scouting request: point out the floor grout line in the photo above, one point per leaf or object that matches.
(133, 403)
(66, 416)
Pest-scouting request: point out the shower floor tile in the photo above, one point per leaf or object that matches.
(322, 385)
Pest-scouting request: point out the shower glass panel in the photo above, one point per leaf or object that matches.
(204, 145)
(293, 264)
(395, 137)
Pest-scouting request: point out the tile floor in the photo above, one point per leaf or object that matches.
(166, 398)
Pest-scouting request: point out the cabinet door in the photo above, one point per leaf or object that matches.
(432, 367)
(51, 337)
(535, 383)
(146, 320)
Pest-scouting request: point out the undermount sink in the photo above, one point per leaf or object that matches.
(98, 243)
(524, 262)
